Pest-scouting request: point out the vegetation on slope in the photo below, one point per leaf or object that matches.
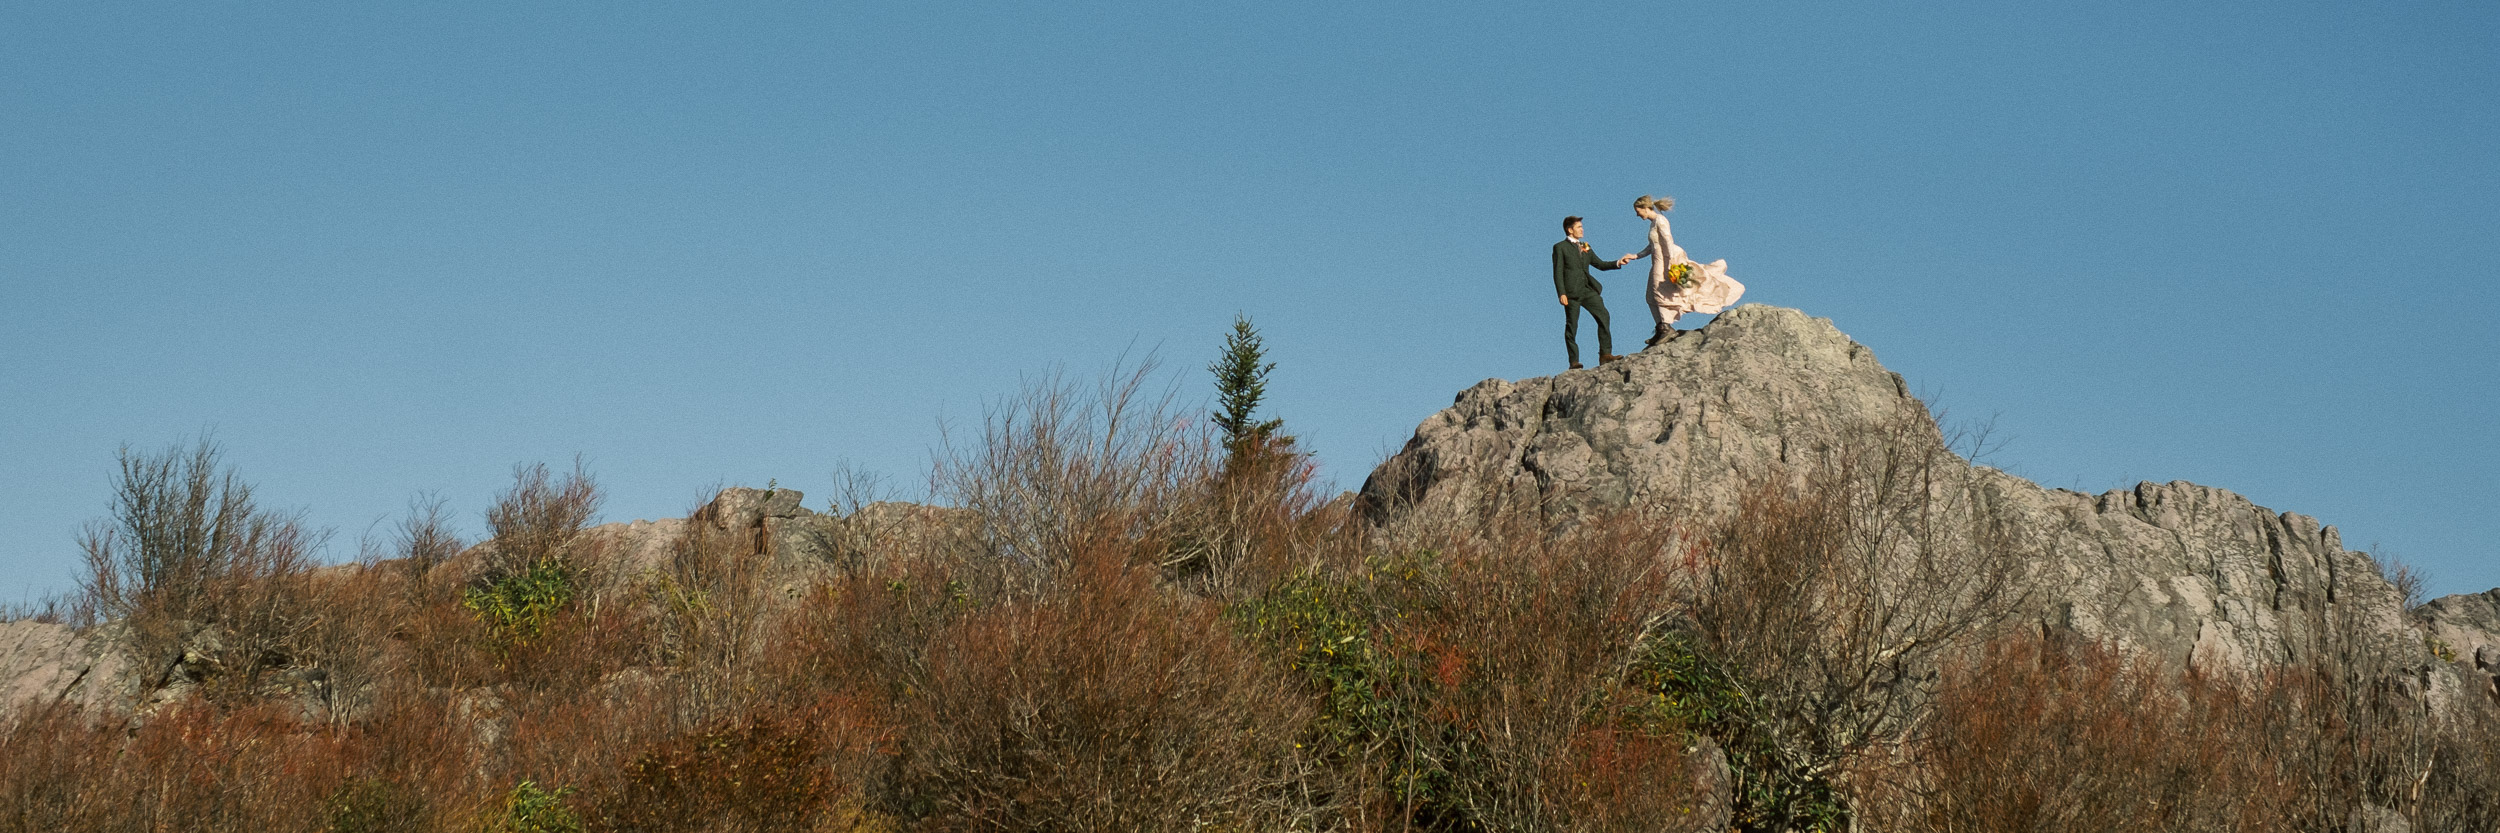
(1137, 621)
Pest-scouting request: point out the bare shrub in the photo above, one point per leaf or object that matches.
(50, 767)
(1101, 704)
(2461, 790)
(1258, 518)
(1610, 778)
(537, 520)
(423, 540)
(1493, 686)
(799, 769)
(715, 610)
(204, 582)
(1522, 653)
(51, 608)
(419, 764)
(428, 637)
(193, 767)
(1830, 598)
(2049, 735)
(1059, 468)
(2368, 740)
(859, 537)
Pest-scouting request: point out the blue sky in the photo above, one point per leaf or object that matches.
(385, 250)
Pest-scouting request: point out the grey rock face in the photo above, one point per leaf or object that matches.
(43, 663)
(743, 508)
(1676, 425)
(2466, 630)
(2193, 573)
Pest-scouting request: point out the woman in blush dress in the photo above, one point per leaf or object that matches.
(1707, 288)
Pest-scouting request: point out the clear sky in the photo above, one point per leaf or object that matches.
(388, 249)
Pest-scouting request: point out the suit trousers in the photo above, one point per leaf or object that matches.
(1571, 326)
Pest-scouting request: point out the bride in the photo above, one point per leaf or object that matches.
(1706, 288)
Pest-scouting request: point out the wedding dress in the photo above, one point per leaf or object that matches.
(1711, 290)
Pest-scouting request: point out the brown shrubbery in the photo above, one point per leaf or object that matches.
(1100, 704)
(1831, 598)
(2046, 734)
(2043, 735)
(1124, 624)
(207, 586)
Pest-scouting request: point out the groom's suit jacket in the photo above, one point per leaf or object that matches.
(1572, 262)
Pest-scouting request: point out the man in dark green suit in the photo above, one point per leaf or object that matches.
(1575, 288)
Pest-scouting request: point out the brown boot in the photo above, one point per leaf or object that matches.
(1603, 358)
(1576, 365)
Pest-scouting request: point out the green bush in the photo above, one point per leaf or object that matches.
(1685, 688)
(530, 808)
(1325, 627)
(372, 805)
(516, 607)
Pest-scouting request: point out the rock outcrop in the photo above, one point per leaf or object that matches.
(2465, 630)
(46, 662)
(2193, 573)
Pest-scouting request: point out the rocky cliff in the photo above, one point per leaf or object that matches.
(2194, 573)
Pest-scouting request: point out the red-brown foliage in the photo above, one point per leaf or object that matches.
(1103, 703)
(780, 771)
(2049, 735)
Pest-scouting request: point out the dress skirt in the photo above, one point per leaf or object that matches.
(1715, 291)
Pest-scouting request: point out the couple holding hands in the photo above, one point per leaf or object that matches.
(1677, 285)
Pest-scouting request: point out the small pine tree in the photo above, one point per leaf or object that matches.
(1240, 382)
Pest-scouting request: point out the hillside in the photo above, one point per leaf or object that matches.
(1741, 580)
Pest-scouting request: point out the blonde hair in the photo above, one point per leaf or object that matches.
(1661, 204)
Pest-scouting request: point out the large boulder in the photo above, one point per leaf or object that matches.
(2196, 574)
(1676, 425)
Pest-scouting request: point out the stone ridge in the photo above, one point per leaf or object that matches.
(1668, 425)
(2197, 574)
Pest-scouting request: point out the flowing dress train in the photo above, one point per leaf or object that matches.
(1712, 292)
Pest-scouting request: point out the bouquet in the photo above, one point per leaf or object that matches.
(1682, 275)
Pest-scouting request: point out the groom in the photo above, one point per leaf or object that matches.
(1575, 288)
